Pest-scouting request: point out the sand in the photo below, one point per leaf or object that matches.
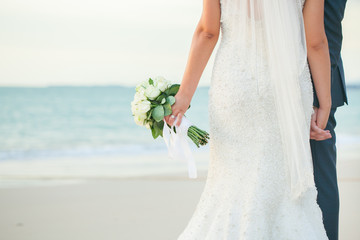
(151, 208)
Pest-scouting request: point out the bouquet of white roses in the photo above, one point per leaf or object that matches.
(152, 102)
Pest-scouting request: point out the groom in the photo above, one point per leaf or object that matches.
(324, 151)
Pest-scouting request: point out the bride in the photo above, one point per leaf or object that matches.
(260, 182)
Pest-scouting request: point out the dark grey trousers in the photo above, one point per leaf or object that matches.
(324, 160)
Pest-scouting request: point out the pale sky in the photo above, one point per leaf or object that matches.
(102, 42)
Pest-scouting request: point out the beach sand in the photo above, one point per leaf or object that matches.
(151, 208)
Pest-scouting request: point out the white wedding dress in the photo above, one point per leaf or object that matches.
(247, 194)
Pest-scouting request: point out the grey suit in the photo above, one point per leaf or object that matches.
(324, 152)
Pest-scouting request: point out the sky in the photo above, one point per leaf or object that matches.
(112, 42)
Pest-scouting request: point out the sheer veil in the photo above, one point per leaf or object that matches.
(273, 29)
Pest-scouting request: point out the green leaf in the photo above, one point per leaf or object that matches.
(151, 82)
(160, 97)
(154, 131)
(148, 114)
(160, 126)
(173, 89)
(157, 129)
(170, 99)
(158, 113)
(167, 109)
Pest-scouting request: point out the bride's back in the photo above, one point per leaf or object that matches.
(262, 56)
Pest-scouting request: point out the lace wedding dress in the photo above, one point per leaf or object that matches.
(247, 194)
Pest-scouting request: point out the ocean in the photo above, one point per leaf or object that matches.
(82, 122)
(77, 121)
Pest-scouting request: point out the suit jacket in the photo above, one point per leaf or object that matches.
(334, 13)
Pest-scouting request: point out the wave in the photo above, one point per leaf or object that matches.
(126, 150)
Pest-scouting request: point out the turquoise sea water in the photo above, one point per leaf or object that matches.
(88, 121)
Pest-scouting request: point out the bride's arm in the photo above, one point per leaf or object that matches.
(203, 43)
(318, 57)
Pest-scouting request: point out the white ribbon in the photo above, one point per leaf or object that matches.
(177, 144)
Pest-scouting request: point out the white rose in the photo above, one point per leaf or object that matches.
(140, 108)
(142, 92)
(144, 106)
(139, 96)
(142, 86)
(139, 119)
(159, 78)
(138, 87)
(133, 107)
(152, 92)
(161, 83)
(137, 110)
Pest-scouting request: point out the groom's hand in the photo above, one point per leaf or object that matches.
(317, 133)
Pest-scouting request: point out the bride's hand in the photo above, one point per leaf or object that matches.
(178, 109)
(322, 116)
(317, 131)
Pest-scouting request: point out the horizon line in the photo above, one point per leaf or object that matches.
(349, 85)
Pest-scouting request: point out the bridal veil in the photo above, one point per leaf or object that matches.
(274, 30)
